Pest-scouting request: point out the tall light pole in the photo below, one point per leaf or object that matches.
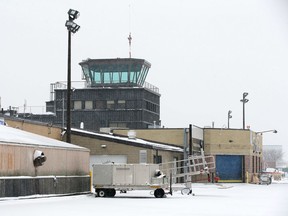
(72, 28)
(229, 116)
(244, 101)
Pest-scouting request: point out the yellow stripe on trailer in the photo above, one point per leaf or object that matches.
(155, 186)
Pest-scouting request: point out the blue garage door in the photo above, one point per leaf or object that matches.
(229, 167)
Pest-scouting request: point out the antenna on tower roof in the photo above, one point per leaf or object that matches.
(130, 37)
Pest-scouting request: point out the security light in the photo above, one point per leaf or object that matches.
(71, 26)
(73, 14)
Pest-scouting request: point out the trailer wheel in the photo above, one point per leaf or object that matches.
(111, 192)
(186, 191)
(101, 192)
(159, 193)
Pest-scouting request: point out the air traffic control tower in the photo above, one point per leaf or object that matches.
(115, 96)
(118, 72)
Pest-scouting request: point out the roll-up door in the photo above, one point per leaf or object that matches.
(229, 167)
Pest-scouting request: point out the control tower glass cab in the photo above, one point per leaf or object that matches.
(119, 72)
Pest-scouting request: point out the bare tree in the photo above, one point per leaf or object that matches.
(272, 155)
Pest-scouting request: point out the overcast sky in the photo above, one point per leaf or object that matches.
(204, 55)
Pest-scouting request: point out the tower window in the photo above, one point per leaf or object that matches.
(110, 104)
(77, 105)
(89, 105)
(121, 104)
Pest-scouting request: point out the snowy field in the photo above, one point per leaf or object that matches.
(236, 199)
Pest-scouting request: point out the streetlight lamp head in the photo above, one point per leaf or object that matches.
(245, 94)
(261, 132)
(244, 100)
(73, 14)
(229, 114)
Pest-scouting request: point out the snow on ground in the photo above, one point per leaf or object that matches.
(239, 199)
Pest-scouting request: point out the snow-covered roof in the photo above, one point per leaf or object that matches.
(155, 145)
(16, 136)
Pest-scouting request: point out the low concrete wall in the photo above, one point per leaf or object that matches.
(25, 186)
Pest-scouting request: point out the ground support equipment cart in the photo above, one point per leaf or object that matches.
(107, 178)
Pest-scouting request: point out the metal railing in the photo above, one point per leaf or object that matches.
(151, 87)
(83, 84)
(194, 165)
(63, 85)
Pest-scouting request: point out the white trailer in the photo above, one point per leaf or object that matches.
(107, 178)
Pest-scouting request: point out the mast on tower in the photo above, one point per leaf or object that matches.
(130, 39)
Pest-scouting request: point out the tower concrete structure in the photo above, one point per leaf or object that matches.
(115, 94)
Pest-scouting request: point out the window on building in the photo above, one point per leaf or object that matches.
(117, 125)
(122, 125)
(89, 105)
(157, 159)
(110, 104)
(121, 104)
(107, 78)
(151, 106)
(143, 156)
(100, 104)
(113, 125)
(77, 105)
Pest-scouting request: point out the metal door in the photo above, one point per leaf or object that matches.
(229, 167)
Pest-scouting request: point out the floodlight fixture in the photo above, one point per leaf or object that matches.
(71, 26)
(73, 14)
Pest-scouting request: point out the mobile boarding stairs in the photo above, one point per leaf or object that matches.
(184, 170)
